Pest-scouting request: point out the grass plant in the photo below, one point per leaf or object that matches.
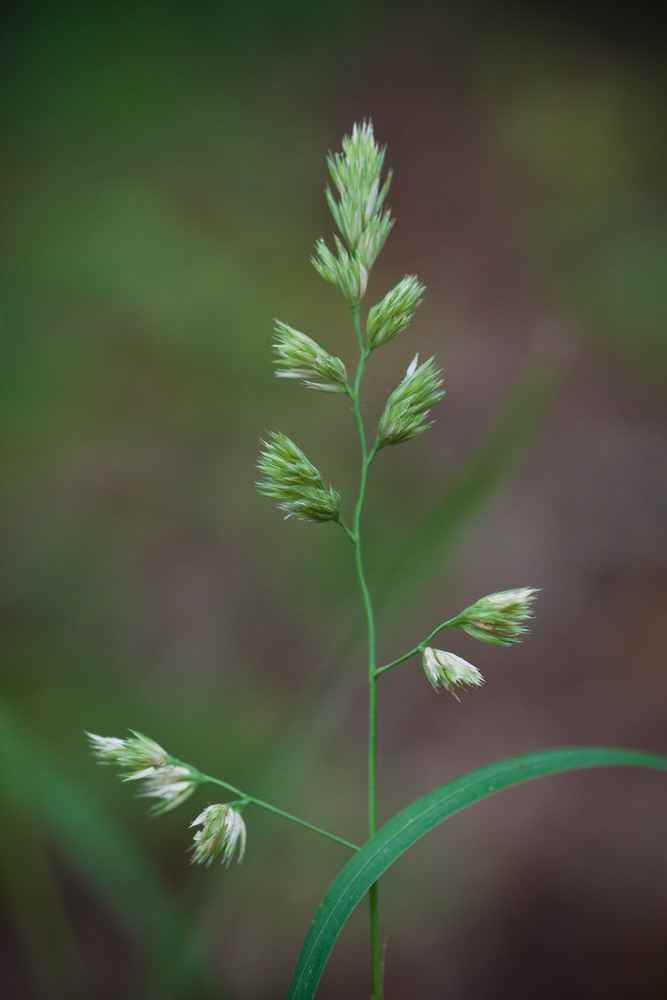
(357, 201)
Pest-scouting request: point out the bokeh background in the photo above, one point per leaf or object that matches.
(164, 167)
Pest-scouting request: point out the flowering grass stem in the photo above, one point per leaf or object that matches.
(289, 477)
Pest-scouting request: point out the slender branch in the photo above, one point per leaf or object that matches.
(418, 649)
(206, 778)
(350, 534)
(395, 663)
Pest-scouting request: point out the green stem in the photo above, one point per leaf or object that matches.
(367, 456)
(206, 778)
(350, 534)
(418, 649)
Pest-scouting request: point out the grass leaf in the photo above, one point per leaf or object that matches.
(401, 832)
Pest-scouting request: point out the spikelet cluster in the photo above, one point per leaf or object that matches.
(171, 785)
(357, 208)
(294, 482)
(406, 409)
(499, 618)
(394, 312)
(160, 776)
(222, 834)
(135, 752)
(299, 356)
(343, 269)
(449, 671)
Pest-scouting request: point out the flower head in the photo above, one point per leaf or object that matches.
(408, 405)
(137, 751)
(291, 479)
(162, 777)
(171, 785)
(394, 312)
(357, 176)
(449, 670)
(356, 206)
(222, 832)
(298, 356)
(499, 618)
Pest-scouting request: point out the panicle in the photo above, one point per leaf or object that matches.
(294, 482)
(408, 405)
(449, 670)
(499, 618)
(394, 312)
(162, 777)
(298, 356)
(222, 833)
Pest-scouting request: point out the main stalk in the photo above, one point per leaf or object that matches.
(367, 456)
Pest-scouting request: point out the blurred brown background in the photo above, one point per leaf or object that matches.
(164, 172)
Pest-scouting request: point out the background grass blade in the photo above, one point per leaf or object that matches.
(33, 903)
(380, 852)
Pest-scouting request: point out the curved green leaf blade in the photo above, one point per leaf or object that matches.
(380, 852)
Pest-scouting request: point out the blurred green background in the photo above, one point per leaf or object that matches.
(164, 171)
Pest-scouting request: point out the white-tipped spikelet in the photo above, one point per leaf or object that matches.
(499, 618)
(171, 785)
(294, 482)
(373, 239)
(298, 356)
(449, 670)
(407, 407)
(137, 751)
(162, 777)
(222, 833)
(394, 312)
